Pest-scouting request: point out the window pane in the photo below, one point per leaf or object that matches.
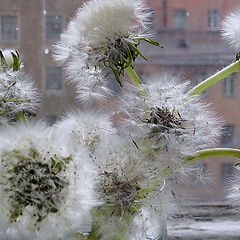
(9, 28)
(53, 27)
(228, 86)
(53, 78)
(212, 18)
(179, 19)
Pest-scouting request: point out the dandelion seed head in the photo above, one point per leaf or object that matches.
(230, 29)
(173, 127)
(43, 185)
(103, 33)
(17, 95)
(105, 20)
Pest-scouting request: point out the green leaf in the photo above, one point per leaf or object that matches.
(150, 41)
(16, 61)
(116, 74)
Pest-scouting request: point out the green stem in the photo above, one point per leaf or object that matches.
(215, 78)
(133, 76)
(214, 152)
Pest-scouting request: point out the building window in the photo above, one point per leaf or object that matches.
(53, 27)
(228, 86)
(53, 78)
(179, 19)
(227, 170)
(212, 20)
(9, 28)
(228, 135)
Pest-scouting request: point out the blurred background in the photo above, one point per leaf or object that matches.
(189, 30)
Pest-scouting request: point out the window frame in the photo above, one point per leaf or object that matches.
(210, 19)
(57, 37)
(225, 87)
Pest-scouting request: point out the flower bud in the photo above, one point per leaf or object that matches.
(9, 59)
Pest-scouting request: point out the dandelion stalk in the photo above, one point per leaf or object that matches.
(199, 155)
(133, 76)
(214, 152)
(215, 78)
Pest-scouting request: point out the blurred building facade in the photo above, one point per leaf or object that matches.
(188, 29)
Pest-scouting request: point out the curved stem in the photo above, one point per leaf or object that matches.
(215, 78)
(133, 76)
(214, 152)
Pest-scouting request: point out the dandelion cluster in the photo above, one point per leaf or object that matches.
(88, 176)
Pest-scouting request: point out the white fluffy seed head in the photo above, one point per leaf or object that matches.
(99, 35)
(53, 189)
(106, 20)
(17, 95)
(173, 127)
(230, 29)
(99, 22)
